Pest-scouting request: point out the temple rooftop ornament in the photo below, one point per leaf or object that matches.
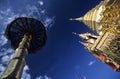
(104, 19)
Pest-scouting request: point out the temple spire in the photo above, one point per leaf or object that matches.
(104, 44)
(84, 36)
(85, 44)
(77, 19)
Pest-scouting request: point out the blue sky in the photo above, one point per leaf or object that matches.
(63, 57)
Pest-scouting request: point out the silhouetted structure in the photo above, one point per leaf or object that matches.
(26, 35)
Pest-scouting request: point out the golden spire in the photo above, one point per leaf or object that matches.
(80, 35)
(75, 33)
(84, 36)
(87, 45)
(92, 18)
(103, 17)
(77, 19)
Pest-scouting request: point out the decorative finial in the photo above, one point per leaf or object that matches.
(85, 44)
(81, 42)
(77, 19)
(71, 19)
(83, 36)
(75, 33)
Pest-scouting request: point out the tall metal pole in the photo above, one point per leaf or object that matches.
(17, 63)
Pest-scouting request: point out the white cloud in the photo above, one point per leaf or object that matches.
(3, 40)
(1, 17)
(43, 77)
(25, 74)
(78, 78)
(91, 63)
(41, 2)
(6, 16)
(84, 77)
(48, 22)
(43, 11)
(2, 68)
(5, 52)
(5, 59)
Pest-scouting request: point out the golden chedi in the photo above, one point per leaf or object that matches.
(104, 19)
